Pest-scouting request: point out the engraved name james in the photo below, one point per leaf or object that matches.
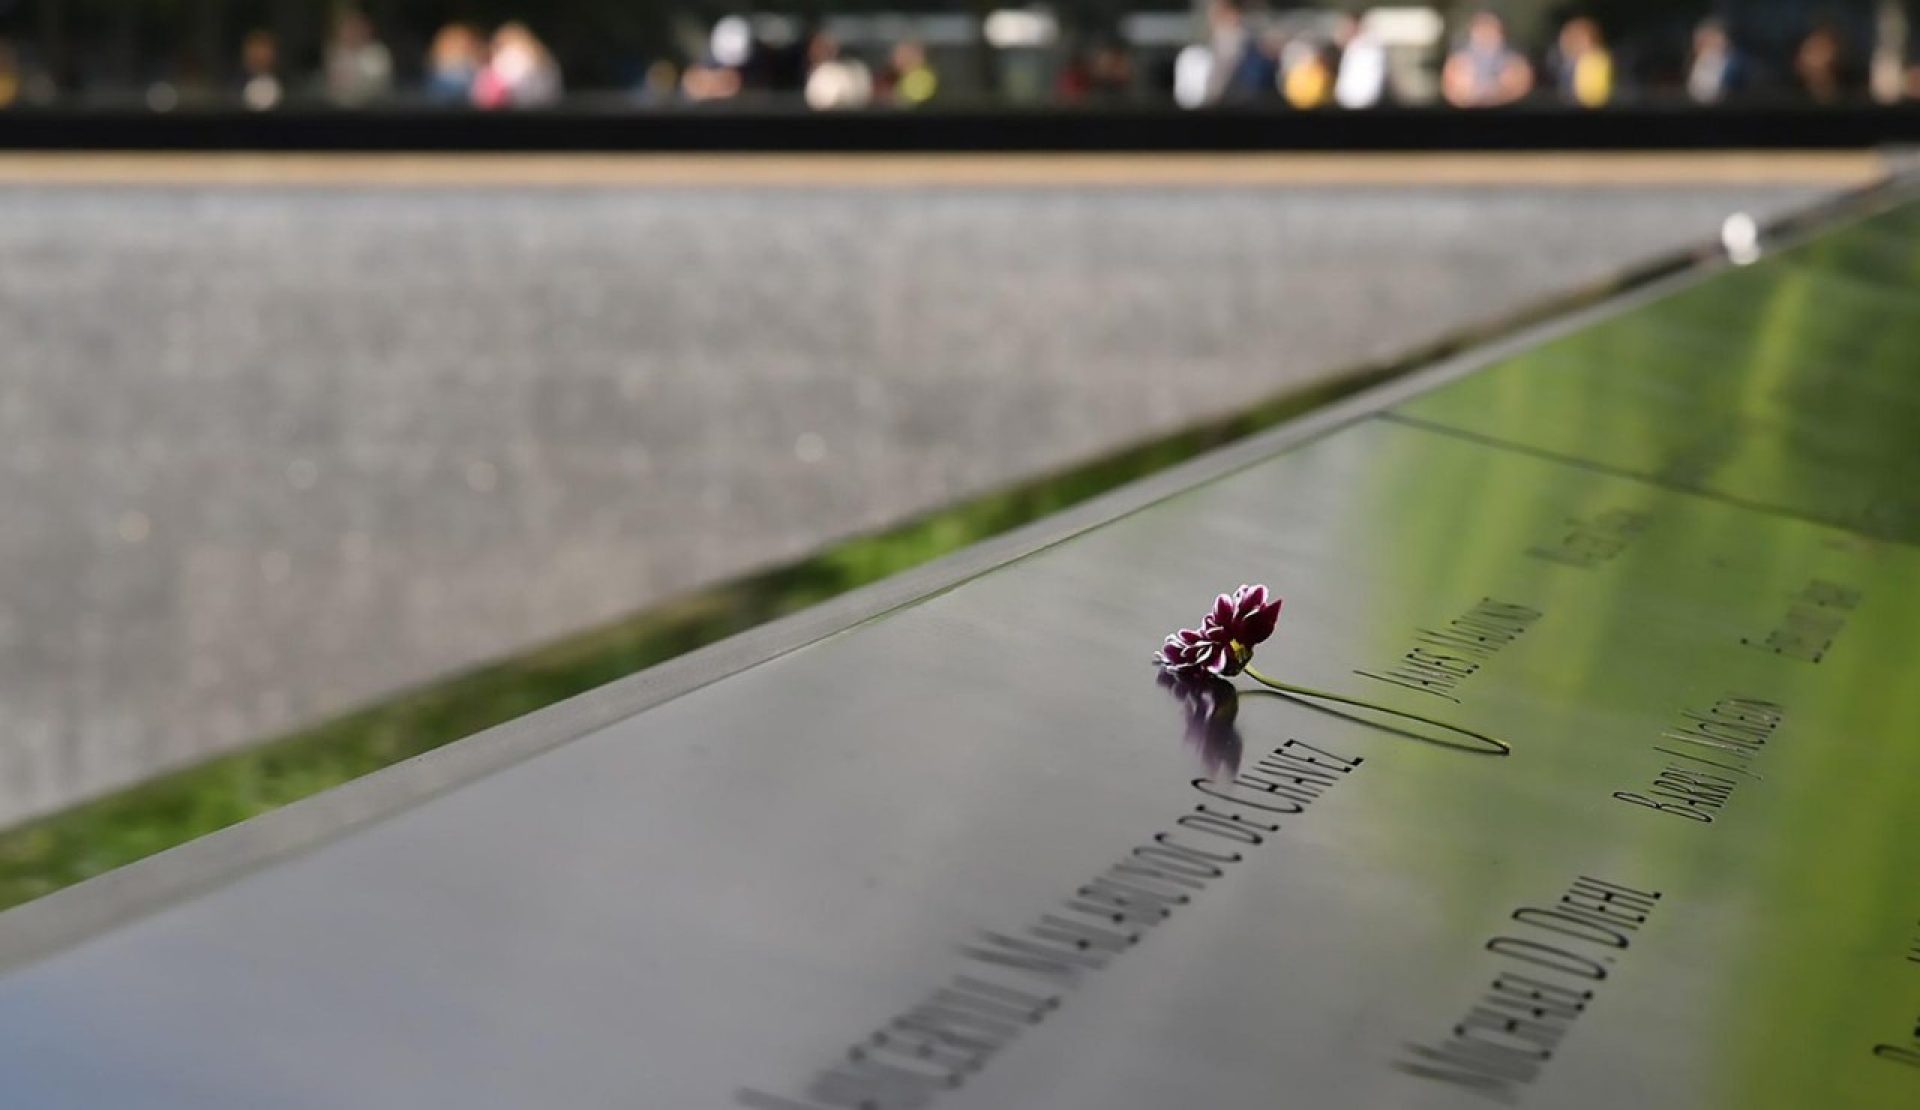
(1443, 657)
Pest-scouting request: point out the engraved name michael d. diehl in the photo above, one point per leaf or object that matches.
(1552, 962)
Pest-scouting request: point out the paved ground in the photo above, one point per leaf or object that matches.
(268, 452)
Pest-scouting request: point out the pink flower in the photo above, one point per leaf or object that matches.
(1224, 642)
(1192, 650)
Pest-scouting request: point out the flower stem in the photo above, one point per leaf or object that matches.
(1497, 747)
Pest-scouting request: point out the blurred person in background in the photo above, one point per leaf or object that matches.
(909, 81)
(519, 73)
(1484, 72)
(454, 61)
(1102, 73)
(1582, 68)
(1887, 68)
(833, 81)
(1819, 64)
(1717, 69)
(1240, 69)
(705, 81)
(1109, 69)
(359, 69)
(660, 84)
(1362, 76)
(1306, 73)
(10, 80)
(260, 86)
(720, 74)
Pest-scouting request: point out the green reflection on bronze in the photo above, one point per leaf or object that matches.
(1792, 384)
(1804, 882)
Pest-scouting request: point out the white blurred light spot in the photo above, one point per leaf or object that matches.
(839, 84)
(732, 41)
(1008, 28)
(1741, 238)
(1191, 69)
(134, 526)
(482, 476)
(809, 448)
(162, 97)
(302, 473)
(261, 94)
(1404, 26)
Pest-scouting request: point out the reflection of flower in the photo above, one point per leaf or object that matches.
(1223, 644)
(1210, 705)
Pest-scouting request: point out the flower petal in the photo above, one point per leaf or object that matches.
(1260, 624)
(1221, 660)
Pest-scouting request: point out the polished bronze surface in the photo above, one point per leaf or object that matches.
(1791, 385)
(972, 853)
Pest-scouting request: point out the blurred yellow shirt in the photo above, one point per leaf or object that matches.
(1309, 84)
(917, 85)
(1593, 79)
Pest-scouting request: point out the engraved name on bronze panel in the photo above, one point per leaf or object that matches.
(1814, 618)
(1712, 752)
(1588, 542)
(1013, 981)
(1509, 1034)
(1442, 657)
(1907, 1053)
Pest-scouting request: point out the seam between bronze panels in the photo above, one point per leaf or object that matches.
(1591, 465)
